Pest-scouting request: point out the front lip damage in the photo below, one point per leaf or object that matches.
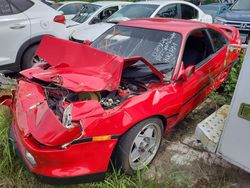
(78, 68)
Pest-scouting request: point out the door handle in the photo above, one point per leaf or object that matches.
(17, 26)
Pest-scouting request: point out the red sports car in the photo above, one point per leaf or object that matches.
(85, 104)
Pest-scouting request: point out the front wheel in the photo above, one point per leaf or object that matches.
(138, 147)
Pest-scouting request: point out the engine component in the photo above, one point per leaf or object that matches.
(85, 96)
(109, 102)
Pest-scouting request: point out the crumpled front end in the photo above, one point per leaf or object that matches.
(40, 137)
(65, 108)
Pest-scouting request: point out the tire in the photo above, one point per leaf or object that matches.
(27, 60)
(138, 138)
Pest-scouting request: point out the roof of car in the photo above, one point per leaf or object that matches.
(176, 25)
(107, 3)
(70, 2)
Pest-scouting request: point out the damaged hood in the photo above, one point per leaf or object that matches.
(80, 67)
(76, 66)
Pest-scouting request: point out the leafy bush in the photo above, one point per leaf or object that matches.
(229, 85)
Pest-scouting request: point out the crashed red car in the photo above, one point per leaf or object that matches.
(83, 105)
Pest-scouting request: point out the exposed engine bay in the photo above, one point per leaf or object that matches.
(57, 96)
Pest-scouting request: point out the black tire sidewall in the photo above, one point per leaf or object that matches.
(28, 56)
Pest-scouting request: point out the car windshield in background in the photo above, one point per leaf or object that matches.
(85, 12)
(241, 5)
(160, 48)
(211, 10)
(56, 5)
(133, 11)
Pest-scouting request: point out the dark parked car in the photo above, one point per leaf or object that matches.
(238, 16)
(215, 9)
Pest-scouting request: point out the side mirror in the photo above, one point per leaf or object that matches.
(87, 42)
(186, 73)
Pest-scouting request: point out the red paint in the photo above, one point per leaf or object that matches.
(83, 68)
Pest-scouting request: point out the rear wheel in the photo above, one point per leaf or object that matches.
(28, 57)
(138, 147)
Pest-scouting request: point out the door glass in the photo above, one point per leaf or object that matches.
(218, 39)
(5, 8)
(86, 11)
(107, 13)
(188, 12)
(21, 5)
(169, 11)
(197, 49)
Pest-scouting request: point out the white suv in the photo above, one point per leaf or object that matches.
(23, 23)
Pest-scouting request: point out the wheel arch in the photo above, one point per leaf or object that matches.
(159, 116)
(24, 47)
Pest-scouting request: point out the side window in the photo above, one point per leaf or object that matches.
(68, 9)
(218, 39)
(169, 11)
(188, 12)
(197, 48)
(106, 13)
(6, 8)
(21, 5)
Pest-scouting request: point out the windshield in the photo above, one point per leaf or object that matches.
(160, 48)
(56, 5)
(85, 12)
(211, 10)
(133, 11)
(241, 5)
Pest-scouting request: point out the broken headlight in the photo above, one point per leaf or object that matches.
(67, 117)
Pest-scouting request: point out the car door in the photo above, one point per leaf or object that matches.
(169, 11)
(222, 62)
(198, 52)
(14, 31)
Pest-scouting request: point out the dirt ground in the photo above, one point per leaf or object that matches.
(179, 153)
